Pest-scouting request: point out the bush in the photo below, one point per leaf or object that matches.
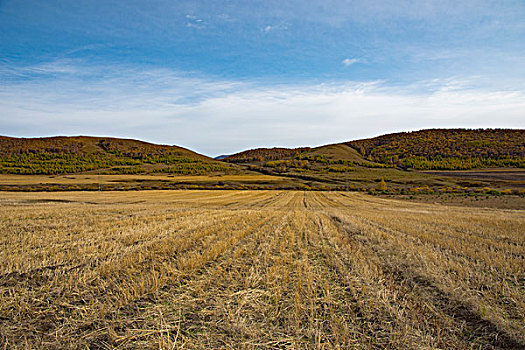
(382, 185)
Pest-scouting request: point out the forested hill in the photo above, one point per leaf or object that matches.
(262, 154)
(454, 149)
(439, 149)
(68, 155)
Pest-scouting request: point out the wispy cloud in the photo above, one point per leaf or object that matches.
(217, 116)
(280, 26)
(194, 22)
(349, 61)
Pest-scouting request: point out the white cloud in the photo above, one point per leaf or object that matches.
(280, 26)
(219, 116)
(194, 22)
(349, 61)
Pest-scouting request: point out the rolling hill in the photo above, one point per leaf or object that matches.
(70, 155)
(262, 154)
(406, 161)
(363, 163)
(446, 149)
(439, 149)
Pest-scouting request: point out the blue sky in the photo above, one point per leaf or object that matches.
(222, 76)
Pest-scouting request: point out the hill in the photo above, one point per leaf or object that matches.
(69, 155)
(409, 161)
(361, 164)
(335, 152)
(446, 149)
(264, 154)
(432, 149)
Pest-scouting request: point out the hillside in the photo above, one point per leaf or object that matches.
(436, 155)
(335, 152)
(257, 155)
(264, 154)
(433, 149)
(69, 155)
(446, 149)
(362, 163)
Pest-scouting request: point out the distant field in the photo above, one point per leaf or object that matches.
(257, 270)
(131, 182)
(357, 179)
(111, 179)
(512, 177)
(479, 200)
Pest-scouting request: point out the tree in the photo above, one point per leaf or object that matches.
(382, 185)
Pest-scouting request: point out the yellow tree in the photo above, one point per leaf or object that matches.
(382, 185)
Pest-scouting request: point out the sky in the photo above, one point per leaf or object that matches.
(221, 76)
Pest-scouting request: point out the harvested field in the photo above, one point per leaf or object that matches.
(91, 182)
(257, 270)
(504, 174)
(478, 200)
(7, 179)
(498, 178)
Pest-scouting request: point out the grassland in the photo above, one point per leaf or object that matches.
(77, 182)
(257, 270)
(481, 182)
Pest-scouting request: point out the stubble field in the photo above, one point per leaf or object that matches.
(257, 270)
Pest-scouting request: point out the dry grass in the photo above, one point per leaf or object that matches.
(257, 270)
(9, 179)
(90, 182)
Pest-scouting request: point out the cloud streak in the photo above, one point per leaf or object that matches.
(349, 61)
(280, 26)
(220, 116)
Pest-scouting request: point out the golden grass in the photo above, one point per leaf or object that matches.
(338, 151)
(257, 270)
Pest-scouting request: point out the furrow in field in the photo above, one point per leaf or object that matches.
(256, 200)
(85, 294)
(492, 282)
(493, 241)
(258, 270)
(193, 303)
(52, 248)
(396, 259)
(276, 290)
